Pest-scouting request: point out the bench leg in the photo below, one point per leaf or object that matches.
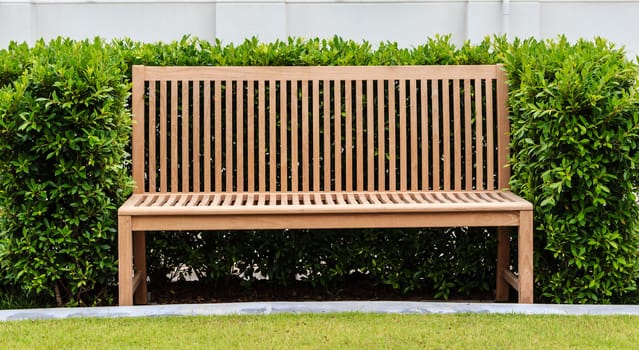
(139, 255)
(503, 261)
(525, 258)
(125, 261)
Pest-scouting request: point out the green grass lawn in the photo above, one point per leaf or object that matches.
(328, 331)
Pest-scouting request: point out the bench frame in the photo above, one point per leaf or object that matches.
(312, 198)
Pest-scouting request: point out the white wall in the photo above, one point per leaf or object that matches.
(407, 22)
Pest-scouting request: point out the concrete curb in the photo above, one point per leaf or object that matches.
(267, 308)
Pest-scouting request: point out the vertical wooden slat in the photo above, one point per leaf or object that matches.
(392, 129)
(503, 129)
(261, 130)
(348, 135)
(153, 185)
(370, 133)
(163, 137)
(468, 130)
(403, 142)
(414, 164)
(359, 143)
(196, 136)
(327, 135)
(381, 137)
(457, 135)
(294, 138)
(446, 130)
(206, 161)
(424, 132)
(337, 116)
(185, 137)
(305, 138)
(239, 135)
(228, 128)
(250, 136)
(174, 136)
(283, 137)
(490, 145)
(479, 135)
(272, 128)
(435, 139)
(316, 135)
(217, 126)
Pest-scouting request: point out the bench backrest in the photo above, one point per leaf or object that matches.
(214, 129)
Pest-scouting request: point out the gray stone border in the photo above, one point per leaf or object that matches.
(266, 308)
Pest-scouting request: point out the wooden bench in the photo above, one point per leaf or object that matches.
(229, 148)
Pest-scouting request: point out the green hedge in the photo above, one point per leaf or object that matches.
(64, 128)
(574, 119)
(575, 138)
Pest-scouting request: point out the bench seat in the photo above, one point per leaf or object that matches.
(304, 210)
(148, 204)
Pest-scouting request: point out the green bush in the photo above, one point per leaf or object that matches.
(575, 151)
(64, 127)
